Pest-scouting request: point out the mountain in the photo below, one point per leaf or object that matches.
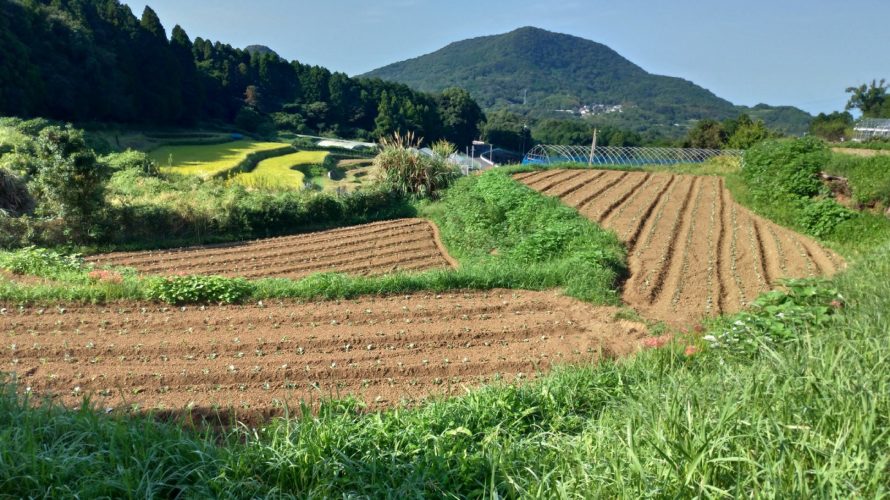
(261, 50)
(538, 72)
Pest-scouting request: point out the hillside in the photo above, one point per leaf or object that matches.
(539, 72)
(94, 61)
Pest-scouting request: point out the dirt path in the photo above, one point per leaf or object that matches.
(692, 251)
(370, 249)
(257, 358)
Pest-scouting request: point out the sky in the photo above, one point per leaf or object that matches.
(803, 53)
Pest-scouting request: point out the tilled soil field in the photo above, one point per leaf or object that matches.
(369, 249)
(256, 359)
(692, 250)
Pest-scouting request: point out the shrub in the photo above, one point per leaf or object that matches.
(403, 168)
(198, 289)
(14, 196)
(69, 183)
(132, 160)
(821, 217)
(786, 166)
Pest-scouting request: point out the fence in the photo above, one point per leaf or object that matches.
(630, 156)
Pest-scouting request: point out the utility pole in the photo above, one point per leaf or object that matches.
(592, 149)
(491, 154)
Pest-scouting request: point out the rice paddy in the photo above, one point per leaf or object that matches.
(209, 160)
(280, 172)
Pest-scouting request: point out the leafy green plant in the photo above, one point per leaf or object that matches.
(776, 318)
(786, 166)
(41, 262)
(198, 289)
(821, 217)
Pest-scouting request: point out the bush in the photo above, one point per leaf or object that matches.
(14, 196)
(69, 182)
(132, 160)
(198, 289)
(868, 178)
(786, 166)
(403, 168)
(821, 217)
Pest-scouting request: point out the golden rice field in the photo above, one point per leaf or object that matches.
(208, 160)
(279, 172)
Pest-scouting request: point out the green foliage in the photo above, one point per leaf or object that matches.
(868, 178)
(871, 99)
(831, 127)
(491, 220)
(40, 262)
(14, 196)
(137, 161)
(785, 167)
(821, 217)
(406, 170)
(536, 72)
(94, 61)
(69, 182)
(507, 130)
(461, 116)
(776, 319)
(198, 289)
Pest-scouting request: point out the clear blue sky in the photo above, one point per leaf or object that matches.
(798, 52)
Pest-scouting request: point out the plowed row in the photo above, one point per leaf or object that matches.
(370, 249)
(258, 358)
(692, 250)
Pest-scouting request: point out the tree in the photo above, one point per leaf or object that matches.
(831, 127)
(747, 133)
(707, 134)
(151, 23)
(69, 181)
(460, 116)
(252, 97)
(871, 99)
(507, 130)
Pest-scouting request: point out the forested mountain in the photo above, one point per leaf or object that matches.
(538, 72)
(93, 60)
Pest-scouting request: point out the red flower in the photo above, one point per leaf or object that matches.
(656, 342)
(690, 350)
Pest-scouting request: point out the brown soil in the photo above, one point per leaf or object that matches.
(259, 358)
(370, 249)
(692, 251)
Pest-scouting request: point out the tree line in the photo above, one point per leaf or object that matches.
(94, 61)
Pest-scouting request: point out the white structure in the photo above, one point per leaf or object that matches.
(630, 156)
(868, 129)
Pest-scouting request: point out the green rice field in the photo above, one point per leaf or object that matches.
(208, 160)
(280, 172)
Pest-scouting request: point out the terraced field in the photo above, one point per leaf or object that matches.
(692, 250)
(258, 358)
(280, 172)
(370, 249)
(209, 160)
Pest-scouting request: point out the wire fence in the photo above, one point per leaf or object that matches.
(629, 156)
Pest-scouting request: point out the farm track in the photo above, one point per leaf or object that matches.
(692, 251)
(385, 350)
(370, 249)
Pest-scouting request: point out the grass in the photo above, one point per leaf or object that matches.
(504, 234)
(280, 172)
(209, 160)
(868, 178)
(807, 417)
